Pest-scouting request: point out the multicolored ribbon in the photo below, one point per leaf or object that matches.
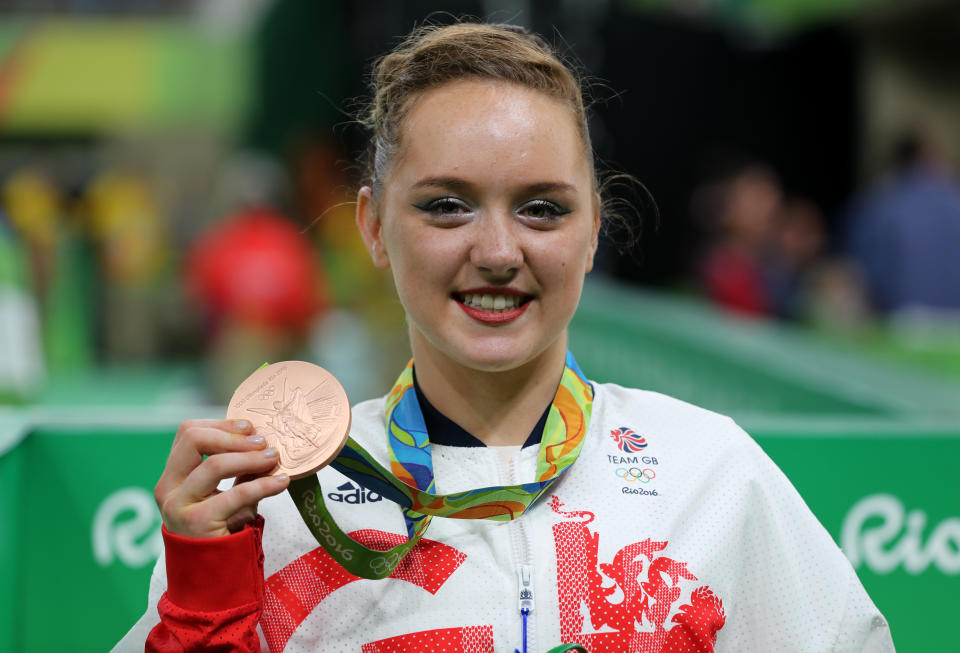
(411, 483)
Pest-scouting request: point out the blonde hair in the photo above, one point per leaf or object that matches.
(435, 55)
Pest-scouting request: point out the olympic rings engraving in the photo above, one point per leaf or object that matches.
(633, 474)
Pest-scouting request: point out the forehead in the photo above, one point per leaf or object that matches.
(492, 130)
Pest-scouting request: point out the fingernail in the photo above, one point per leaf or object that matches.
(242, 424)
(269, 452)
(256, 439)
(282, 478)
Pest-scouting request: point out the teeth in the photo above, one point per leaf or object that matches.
(492, 303)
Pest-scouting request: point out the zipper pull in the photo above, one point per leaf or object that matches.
(525, 576)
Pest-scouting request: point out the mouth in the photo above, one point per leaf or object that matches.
(493, 305)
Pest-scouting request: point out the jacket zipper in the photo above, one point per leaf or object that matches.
(525, 576)
(522, 555)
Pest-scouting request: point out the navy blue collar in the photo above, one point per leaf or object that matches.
(444, 430)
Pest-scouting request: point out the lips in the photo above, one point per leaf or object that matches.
(493, 305)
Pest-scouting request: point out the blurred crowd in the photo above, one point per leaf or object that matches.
(130, 240)
(113, 264)
(892, 253)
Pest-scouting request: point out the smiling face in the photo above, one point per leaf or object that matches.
(488, 219)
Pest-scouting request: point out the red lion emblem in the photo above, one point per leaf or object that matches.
(628, 440)
(636, 610)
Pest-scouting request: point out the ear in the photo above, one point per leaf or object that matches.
(595, 236)
(371, 229)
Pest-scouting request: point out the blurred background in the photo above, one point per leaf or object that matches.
(176, 186)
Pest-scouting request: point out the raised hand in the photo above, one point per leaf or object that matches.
(204, 453)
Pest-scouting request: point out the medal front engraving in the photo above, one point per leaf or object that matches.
(297, 419)
(300, 409)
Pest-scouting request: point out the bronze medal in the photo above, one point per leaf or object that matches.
(300, 409)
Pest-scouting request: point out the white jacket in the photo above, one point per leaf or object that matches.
(645, 550)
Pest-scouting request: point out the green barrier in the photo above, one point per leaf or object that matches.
(79, 524)
(740, 366)
(78, 535)
(873, 448)
(11, 617)
(889, 495)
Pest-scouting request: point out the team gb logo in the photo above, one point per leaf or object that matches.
(628, 440)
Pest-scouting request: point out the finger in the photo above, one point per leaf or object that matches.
(199, 440)
(203, 480)
(238, 426)
(245, 495)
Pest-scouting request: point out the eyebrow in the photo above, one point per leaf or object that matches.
(455, 183)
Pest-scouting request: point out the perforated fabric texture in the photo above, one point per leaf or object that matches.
(672, 532)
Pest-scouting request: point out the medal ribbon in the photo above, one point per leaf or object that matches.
(410, 483)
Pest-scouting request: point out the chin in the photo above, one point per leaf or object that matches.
(500, 352)
(493, 364)
(499, 357)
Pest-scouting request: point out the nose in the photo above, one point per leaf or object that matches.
(496, 251)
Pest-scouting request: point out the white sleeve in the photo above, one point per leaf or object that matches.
(862, 628)
(136, 637)
(799, 591)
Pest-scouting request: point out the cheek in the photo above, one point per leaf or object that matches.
(420, 262)
(571, 269)
(403, 248)
(569, 258)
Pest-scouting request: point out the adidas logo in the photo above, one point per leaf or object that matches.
(350, 493)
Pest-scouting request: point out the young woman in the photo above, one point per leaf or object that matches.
(666, 529)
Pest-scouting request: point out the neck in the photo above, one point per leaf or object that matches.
(498, 408)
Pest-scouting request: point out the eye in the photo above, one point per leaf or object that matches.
(445, 207)
(543, 210)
